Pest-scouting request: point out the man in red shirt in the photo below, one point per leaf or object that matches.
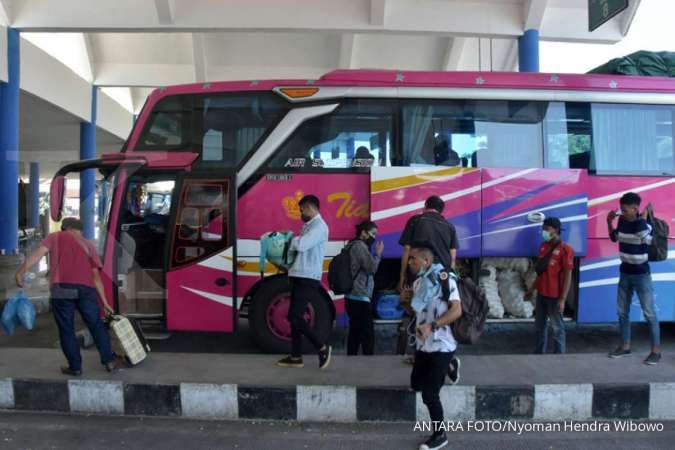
(553, 284)
(74, 282)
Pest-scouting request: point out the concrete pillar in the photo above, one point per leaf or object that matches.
(9, 148)
(34, 203)
(88, 177)
(528, 51)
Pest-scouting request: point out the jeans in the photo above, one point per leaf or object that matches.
(66, 298)
(547, 311)
(428, 376)
(642, 285)
(361, 332)
(302, 289)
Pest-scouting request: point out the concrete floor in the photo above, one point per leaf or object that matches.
(498, 339)
(54, 431)
(385, 370)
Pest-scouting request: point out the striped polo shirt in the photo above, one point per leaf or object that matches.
(634, 240)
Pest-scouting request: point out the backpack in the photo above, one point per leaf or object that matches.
(658, 251)
(468, 328)
(340, 278)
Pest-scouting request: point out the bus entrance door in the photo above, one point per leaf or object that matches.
(202, 274)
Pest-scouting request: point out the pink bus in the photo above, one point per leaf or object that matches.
(209, 168)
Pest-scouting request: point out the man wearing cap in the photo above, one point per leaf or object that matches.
(556, 261)
(74, 279)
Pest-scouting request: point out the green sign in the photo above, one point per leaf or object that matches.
(600, 11)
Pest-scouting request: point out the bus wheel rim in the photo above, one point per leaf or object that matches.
(277, 313)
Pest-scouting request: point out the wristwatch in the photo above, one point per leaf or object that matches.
(434, 326)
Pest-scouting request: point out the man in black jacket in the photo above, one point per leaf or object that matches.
(432, 229)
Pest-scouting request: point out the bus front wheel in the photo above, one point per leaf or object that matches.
(270, 329)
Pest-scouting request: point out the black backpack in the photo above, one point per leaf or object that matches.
(468, 328)
(658, 251)
(340, 278)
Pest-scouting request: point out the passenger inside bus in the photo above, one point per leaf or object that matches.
(444, 155)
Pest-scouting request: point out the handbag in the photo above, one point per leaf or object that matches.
(542, 263)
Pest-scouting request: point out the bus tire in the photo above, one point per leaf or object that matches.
(270, 330)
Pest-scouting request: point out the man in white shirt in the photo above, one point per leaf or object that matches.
(436, 307)
(305, 278)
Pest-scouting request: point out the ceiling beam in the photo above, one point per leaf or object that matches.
(497, 19)
(91, 57)
(453, 53)
(199, 57)
(347, 45)
(378, 12)
(165, 13)
(5, 12)
(533, 14)
(511, 59)
(628, 15)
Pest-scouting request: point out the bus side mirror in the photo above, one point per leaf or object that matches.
(56, 194)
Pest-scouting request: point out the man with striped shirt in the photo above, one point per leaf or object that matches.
(633, 234)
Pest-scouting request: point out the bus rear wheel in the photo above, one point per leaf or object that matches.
(270, 329)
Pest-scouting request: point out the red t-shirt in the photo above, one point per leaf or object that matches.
(71, 259)
(549, 283)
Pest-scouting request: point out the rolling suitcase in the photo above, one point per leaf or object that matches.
(128, 339)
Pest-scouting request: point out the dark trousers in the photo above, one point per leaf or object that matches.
(428, 376)
(66, 298)
(547, 311)
(361, 333)
(302, 290)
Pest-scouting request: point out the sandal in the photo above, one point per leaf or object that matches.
(68, 371)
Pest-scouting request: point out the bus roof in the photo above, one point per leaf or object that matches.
(394, 78)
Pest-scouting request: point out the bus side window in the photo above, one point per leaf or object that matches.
(611, 139)
(472, 133)
(356, 136)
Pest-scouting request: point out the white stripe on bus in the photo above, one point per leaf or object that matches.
(557, 205)
(668, 276)
(386, 213)
(530, 225)
(646, 187)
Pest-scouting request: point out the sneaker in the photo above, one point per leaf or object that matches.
(115, 365)
(324, 357)
(453, 370)
(410, 359)
(619, 352)
(289, 361)
(653, 358)
(434, 442)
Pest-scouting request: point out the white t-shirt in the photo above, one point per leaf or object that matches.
(442, 339)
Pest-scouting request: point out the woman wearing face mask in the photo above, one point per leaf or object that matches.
(357, 302)
(554, 268)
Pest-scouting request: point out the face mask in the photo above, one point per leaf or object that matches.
(546, 235)
(305, 218)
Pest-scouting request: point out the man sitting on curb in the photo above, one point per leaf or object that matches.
(74, 281)
(436, 307)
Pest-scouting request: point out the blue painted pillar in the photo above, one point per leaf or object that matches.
(88, 177)
(528, 51)
(34, 204)
(9, 147)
